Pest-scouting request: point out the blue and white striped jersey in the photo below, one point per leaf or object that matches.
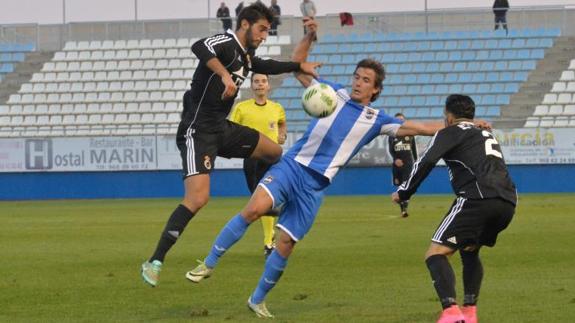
(330, 142)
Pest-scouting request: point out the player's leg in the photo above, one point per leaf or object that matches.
(197, 151)
(232, 232)
(273, 270)
(443, 245)
(404, 173)
(268, 220)
(472, 278)
(267, 150)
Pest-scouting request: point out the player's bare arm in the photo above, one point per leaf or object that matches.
(302, 50)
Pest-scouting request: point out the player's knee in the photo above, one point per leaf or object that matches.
(252, 212)
(196, 202)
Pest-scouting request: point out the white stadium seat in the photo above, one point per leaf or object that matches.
(550, 98)
(569, 110)
(532, 122)
(555, 110)
(546, 122)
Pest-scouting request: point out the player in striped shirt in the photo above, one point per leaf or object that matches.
(299, 180)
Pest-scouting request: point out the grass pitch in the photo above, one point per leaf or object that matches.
(78, 261)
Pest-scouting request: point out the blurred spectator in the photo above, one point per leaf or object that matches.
(224, 14)
(500, 8)
(239, 8)
(307, 8)
(346, 19)
(275, 8)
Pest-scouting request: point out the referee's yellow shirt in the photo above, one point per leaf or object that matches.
(263, 118)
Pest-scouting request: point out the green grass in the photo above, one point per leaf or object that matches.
(78, 261)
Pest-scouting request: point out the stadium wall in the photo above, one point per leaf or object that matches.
(155, 184)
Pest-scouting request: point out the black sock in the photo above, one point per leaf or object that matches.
(443, 279)
(174, 228)
(472, 276)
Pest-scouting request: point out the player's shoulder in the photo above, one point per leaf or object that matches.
(459, 129)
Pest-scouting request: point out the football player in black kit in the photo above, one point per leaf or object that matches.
(403, 151)
(204, 133)
(485, 204)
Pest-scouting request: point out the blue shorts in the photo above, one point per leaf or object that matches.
(300, 190)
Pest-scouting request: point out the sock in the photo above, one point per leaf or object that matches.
(443, 279)
(472, 276)
(274, 268)
(174, 228)
(230, 234)
(268, 226)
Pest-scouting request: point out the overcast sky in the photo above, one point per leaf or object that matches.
(51, 11)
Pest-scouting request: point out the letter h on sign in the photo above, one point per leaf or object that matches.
(38, 154)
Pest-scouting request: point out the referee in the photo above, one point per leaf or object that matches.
(269, 119)
(485, 204)
(403, 151)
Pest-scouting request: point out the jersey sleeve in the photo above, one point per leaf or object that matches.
(273, 67)
(440, 144)
(236, 115)
(390, 125)
(210, 47)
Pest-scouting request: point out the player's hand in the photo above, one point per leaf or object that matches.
(482, 124)
(398, 163)
(310, 24)
(309, 68)
(230, 87)
(395, 197)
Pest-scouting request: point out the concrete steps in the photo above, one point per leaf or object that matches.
(23, 73)
(539, 83)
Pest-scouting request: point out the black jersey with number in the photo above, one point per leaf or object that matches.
(207, 110)
(476, 166)
(403, 148)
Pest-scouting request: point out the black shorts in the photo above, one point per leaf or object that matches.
(474, 222)
(254, 169)
(401, 174)
(199, 149)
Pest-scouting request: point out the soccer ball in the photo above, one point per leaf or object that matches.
(319, 100)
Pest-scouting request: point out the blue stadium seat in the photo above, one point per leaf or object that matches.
(284, 103)
(518, 43)
(455, 88)
(499, 33)
(345, 48)
(496, 54)
(424, 46)
(520, 76)
(325, 70)
(437, 45)
(413, 90)
(484, 88)
(330, 49)
(393, 68)
(441, 89)
(387, 90)
(497, 87)
(451, 45)
(432, 68)
(464, 44)
(473, 66)
(348, 59)
(279, 93)
(436, 112)
(388, 58)
(478, 77)
(537, 54)
(371, 47)
(404, 101)
(442, 56)
(511, 88)
(505, 43)
(506, 77)
(422, 113)
(515, 65)
(428, 57)
(410, 46)
(492, 77)
(391, 101)
(427, 89)
(488, 99)
(400, 57)
(502, 99)
(455, 56)
(478, 44)
(482, 55)
(529, 65)
(480, 111)
(532, 43)
(295, 103)
(338, 70)
(397, 47)
(378, 103)
(410, 79)
(500, 66)
(468, 55)
(418, 100)
(399, 90)
(365, 37)
(465, 77)
(436, 78)
(419, 68)
(433, 100)
(405, 68)
(459, 67)
(334, 59)
(329, 38)
(414, 57)
(446, 67)
(292, 93)
(451, 78)
(357, 48)
(469, 89)
(426, 78)
(493, 111)
(393, 79)
(523, 54)
(349, 69)
(553, 32)
(509, 54)
(392, 111)
(409, 112)
(487, 66)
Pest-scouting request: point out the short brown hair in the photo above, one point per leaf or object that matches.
(379, 70)
(253, 13)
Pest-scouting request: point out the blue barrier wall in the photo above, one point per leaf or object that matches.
(86, 185)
